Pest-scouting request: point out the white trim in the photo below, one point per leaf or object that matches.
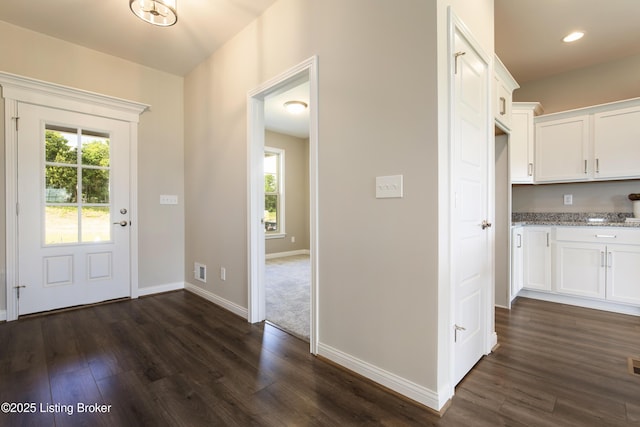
(581, 302)
(3, 315)
(17, 89)
(38, 92)
(390, 380)
(286, 254)
(224, 303)
(255, 147)
(158, 289)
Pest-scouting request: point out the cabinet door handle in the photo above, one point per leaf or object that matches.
(606, 236)
(609, 259)
(547, 239)
(530, 169)
(601, 259)
(585, 166)
(503, 106)
(597, 165)
(519, 245)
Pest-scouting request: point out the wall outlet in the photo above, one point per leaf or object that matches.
(293, 239)
(223, 273)
(568, 199)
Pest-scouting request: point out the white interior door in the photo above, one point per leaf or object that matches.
(74, 219)
(471, 250)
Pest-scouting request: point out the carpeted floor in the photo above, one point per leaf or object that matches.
(288, 291)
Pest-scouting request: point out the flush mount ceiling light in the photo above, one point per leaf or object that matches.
(576, 35)
(295, 107)
(157, 12)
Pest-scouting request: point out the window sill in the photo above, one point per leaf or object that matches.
(275, 236)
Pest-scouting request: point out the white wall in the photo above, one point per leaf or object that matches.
(378, 115)
(160, 144)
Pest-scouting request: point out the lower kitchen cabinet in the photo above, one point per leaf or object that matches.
(623, 273)
(580, 269)
(583, 264)
(537, 258)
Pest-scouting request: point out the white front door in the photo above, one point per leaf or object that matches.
(470, 244)
(73, 209)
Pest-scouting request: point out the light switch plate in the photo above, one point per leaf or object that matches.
(166, 199)
(568, 199)
(389, 187)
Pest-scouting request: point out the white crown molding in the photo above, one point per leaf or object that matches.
(38, 92)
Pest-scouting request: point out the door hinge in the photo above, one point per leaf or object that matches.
(455, 61)
(17, 288)
(17, 119)
(457, 328)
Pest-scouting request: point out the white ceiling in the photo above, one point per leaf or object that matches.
(528, 34)
(277, 119)
(109, 26)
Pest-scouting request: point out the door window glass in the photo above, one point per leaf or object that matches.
(77, 186)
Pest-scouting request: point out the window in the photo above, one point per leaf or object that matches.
(77, 185)
(274, 192)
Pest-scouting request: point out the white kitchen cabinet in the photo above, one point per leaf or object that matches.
(602, 263)
(504, 85)
(517, 260)
(617, 144)
(589, 144)
(562, 149)
(537, 258)
(580, 269)
(521, 141)
(623, 273)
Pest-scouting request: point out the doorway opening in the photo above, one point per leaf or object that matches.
(283, 202)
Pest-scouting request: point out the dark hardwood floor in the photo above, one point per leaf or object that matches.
(177, 360)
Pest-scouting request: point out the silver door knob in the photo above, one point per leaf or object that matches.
(122, 223)
(485, 224)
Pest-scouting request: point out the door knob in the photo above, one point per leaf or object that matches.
(485, 224)
(122, 223)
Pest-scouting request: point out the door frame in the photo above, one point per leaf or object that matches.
(255, 229)
(18, 89)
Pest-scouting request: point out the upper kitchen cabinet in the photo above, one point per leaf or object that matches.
(617, 143)
(504, 85)
(521, 141)
(562, 147)
(595, 143)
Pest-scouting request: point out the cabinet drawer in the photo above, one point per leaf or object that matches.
(606, 235)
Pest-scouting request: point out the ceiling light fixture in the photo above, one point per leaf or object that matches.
(576, 35)
(295, 107)
(163, 13)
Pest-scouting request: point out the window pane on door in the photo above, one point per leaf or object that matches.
(77, 161)
(96, 224)
(61, 225)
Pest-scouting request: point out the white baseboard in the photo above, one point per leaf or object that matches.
(285, 254)
(160, 288)
(210, 296)
(392, 381)
(3, 315)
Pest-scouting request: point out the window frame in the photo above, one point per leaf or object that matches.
(280, 194)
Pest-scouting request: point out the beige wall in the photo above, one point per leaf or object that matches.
(296, 192)
(379, 258)
(602, 83)
(160, 143)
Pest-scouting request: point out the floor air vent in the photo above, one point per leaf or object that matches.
(634, 366)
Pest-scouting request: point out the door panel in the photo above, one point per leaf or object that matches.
(470, 182)
(73, 223)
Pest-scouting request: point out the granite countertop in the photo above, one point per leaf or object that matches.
(598, 219)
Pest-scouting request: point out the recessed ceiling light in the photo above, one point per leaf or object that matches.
(295, 107)
(576, 35)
